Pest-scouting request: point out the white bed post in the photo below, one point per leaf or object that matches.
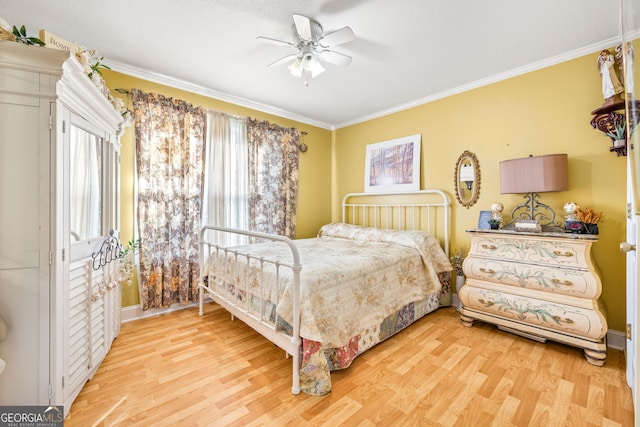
(201, 278)
(295, 338)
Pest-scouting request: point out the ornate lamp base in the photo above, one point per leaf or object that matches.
(534, 210)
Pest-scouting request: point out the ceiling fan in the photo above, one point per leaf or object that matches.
(312, 47)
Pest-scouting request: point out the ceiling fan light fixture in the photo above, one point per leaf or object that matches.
(296, 68)
(307, 67)
(314, 66)
(313, 47)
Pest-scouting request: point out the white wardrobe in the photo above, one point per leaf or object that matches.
(59, 200)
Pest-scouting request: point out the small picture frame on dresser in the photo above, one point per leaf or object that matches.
(483, 220)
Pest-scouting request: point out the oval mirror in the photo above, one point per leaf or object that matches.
(467, 179)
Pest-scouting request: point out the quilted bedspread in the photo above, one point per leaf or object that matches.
(352, 280)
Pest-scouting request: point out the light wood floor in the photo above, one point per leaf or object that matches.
(180, 369)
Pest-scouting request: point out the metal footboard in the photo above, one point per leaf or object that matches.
(237, 300)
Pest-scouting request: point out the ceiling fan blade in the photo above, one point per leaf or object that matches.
(343, 35)
(284, 60)
(303, 26)
(275, 42)
(335, 57)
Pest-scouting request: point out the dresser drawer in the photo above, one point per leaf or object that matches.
(576, 321)
(567, 281)
(555, 252)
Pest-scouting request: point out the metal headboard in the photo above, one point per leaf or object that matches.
(427, 210)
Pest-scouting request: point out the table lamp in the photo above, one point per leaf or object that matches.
(532, 175)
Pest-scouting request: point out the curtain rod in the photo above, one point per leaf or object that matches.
(126, 92)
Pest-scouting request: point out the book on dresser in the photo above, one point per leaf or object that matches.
(544, 286)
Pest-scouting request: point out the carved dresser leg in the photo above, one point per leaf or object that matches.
(594, 357)
(466, 320)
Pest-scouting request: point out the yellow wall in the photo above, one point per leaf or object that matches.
(314, 195)
(542, 112)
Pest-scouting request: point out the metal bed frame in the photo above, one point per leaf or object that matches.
(388, 211)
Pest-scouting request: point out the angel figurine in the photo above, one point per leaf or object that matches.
(611, 86)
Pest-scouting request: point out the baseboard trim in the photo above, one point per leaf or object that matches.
(135, 312)
(615, 339)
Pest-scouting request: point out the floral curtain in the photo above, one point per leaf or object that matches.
(169, 162)
(273, 177)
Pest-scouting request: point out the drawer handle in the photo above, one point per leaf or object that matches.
(559, 320)
(565, 254)
(562, 282)
(490, 247)
(486, 303)
(487, 270)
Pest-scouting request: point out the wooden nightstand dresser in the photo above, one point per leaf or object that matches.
(538, 285)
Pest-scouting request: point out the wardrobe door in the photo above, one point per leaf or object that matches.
(24, 237)
(85, 338)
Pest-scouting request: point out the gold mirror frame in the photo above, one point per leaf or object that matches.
(467, 190)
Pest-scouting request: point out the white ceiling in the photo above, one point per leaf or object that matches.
(406, 52)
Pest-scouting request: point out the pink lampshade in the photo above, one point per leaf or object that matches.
(534, 174)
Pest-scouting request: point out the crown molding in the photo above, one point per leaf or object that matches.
(201, 90)
(596, 47)
(204, 91)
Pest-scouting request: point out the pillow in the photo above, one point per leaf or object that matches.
(427, 245)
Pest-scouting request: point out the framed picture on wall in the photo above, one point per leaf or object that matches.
(393, 165)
